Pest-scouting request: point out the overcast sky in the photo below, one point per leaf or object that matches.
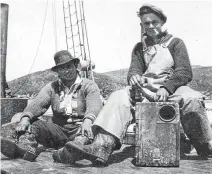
(113, 30)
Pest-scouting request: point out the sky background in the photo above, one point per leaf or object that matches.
(113, 29)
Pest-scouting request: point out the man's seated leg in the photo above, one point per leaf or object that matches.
(194, 119)
(25, 146)
(108, 129)
(67, 156)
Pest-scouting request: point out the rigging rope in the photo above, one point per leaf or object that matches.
(41, 36)
(80, 27)
(54, 23)
(92, 76)
(65, 24)
(71, 29)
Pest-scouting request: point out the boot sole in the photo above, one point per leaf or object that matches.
(11, 150)
(60, 158)
(72, 146)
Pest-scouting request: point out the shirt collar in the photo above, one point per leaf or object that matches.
(77, 82)
(163, 38)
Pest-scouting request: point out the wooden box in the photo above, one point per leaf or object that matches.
(157, 138)
(11, 106)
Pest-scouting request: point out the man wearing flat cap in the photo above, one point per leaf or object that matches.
(160, 65)
(73, 100)
(160, 71)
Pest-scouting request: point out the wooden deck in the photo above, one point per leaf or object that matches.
(121, 161)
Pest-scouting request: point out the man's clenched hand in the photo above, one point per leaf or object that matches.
(23, 125)
(161, 95)
(136, 80)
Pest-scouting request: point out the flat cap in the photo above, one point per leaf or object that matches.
(148, 8)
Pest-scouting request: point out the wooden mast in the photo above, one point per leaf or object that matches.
(4, 26)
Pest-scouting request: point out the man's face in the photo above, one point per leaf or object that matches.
(152, 24)
(67, 71)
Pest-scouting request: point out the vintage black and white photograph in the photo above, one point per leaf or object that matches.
(106, 86)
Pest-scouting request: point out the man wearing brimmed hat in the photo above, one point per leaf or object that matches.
(160, 71)
(73, 100)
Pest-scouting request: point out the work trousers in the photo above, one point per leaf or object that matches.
(116, 114)
(52, 135)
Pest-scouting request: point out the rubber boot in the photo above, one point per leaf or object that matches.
(102, 147)
(24, 147)
(198, 130)
(185, 145)
(203, 149)
(69, 157)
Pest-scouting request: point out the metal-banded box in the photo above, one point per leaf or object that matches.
(157, 138)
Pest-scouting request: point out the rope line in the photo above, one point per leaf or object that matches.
(76, 34)
(92, 76)
(76, 13)
(54, 23)
(71, 27)
(65, 26)
(39, 43)
(78, 45)
(69, 5)
(73, 14)
(78, 26)
(82, 28)
(68, 26)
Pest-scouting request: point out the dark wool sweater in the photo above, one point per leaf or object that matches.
(182, 74)
(88, 102)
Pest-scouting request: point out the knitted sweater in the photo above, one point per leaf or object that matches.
(182, 74)
(88, 102)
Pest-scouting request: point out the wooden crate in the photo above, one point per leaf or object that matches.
(11, 106)
(157, 137)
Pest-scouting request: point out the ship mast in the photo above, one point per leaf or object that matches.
(4, 27)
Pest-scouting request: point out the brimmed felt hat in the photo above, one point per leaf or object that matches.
(63, 57)
(148, 8)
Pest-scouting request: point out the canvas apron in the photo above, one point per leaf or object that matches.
(159, 63)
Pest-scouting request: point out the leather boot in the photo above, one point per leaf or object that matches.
(24, 147)
(102, 147)
(69, 157)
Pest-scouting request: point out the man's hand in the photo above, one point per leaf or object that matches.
(136, 80)
(86, 128)
(161, 95)
(23, 125)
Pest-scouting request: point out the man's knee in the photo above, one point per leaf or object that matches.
(189, 98)
(119, 93)
(38, 126)
(39, 123)
(120, 96)
(189, 94)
